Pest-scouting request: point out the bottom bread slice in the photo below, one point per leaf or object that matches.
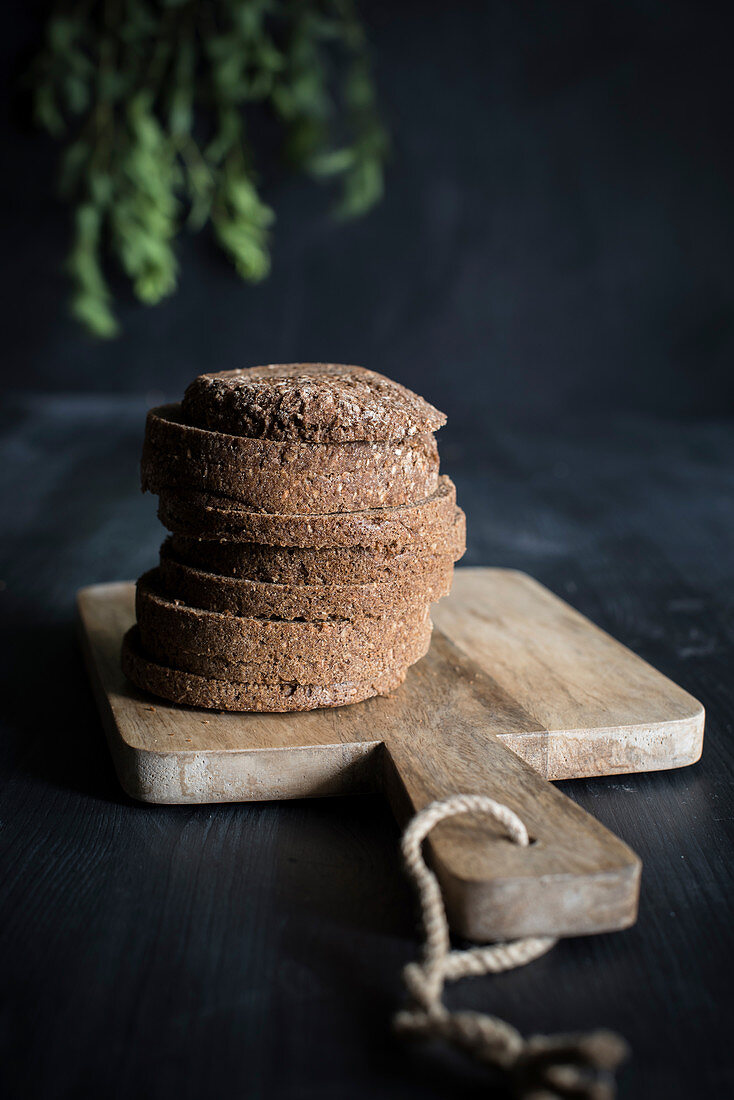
(191, 690)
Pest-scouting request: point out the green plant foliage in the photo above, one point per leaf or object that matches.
(152, 99)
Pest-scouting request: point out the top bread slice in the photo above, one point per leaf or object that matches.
(265, 475)
(310, 402)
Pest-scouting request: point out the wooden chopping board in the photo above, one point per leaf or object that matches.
(517, 688)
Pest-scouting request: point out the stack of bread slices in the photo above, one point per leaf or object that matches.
(310, 532)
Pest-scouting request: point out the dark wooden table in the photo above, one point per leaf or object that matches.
(255, 950)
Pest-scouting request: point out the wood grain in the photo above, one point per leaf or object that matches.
(439, 734)
(440, 738)
(600, 708)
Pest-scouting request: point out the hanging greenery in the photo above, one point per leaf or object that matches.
(152, 99)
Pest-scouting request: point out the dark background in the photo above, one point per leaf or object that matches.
(552, 265)
(557, 234)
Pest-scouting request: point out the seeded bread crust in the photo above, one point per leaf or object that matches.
(418, 564)
(311, 603)
(230, 647)
(312, 402)
(199, 515)
(285, 477)
(188, 689)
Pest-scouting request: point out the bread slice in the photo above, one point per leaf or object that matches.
(275, 662)
(188, 689)
(312, 602)
(232, 647)
(286, 477)
(312, 402)
(424, 564)
(427, 522)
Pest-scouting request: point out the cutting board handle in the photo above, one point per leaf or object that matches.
(574, 877)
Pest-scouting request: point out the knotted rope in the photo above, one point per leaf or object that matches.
(558, 1067)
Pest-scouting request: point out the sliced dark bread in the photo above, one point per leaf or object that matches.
(261, 599)
(199, 515)
(213, 643)
(418, 564)
(188, 689)
(285, 477)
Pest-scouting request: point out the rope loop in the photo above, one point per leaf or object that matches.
(549, 1067)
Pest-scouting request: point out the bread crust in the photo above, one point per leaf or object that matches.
(313, 402)
(285, 477)
(188, 689)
